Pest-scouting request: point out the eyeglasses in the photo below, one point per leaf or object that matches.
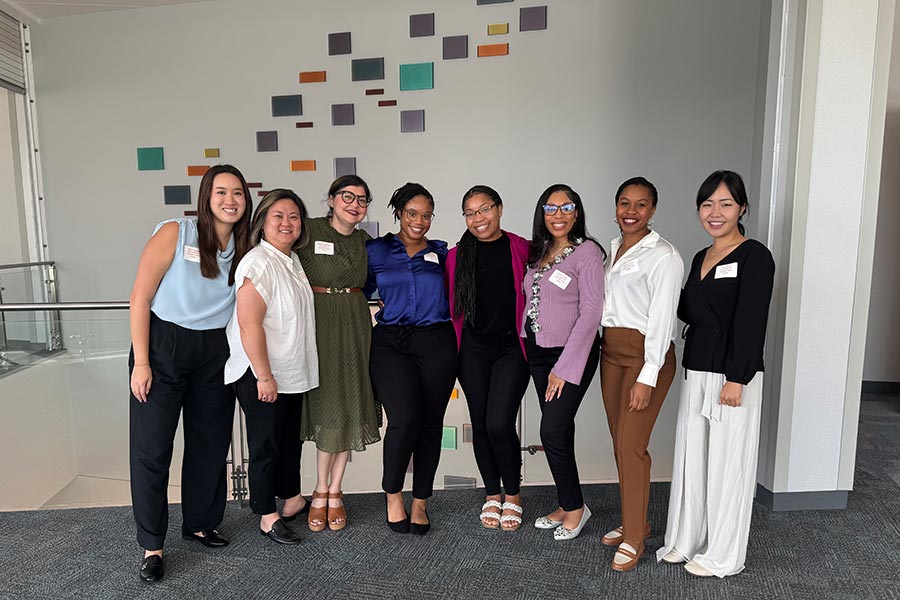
(412, 215)
(567, 209)
(348, 197)
(483, 211)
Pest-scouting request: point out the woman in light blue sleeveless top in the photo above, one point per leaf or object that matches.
(182, 299)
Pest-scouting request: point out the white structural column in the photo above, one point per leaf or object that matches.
(823, 237)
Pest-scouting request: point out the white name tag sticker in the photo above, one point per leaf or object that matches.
(726, 271)
(631, 266)
(191, 253)
(324, 248)
(560, 279)
(432, 257)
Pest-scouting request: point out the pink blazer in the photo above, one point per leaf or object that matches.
(518, 247)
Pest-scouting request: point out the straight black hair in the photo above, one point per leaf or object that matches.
(262, 211)
(736, 188)
(541, 237)
(206, 232)
(464, 277)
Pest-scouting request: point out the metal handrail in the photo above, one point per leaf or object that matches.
(46, 263)
(39, 306)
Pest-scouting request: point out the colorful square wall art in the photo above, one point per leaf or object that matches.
(266, 141)
(303, 165)
(458, 482)
(344, 165)
(448, 439)
(342, 114)
(412, 121)
(498, 29)
(456, 46)
(287, 106)
(312, 77)
(421, 25)
(532, 18)
(338, 43)
(417, 76)
(210, 153)
(367, 69)
(370, 227)
(150, 159)
(197, 170)
(177, 194)
(480, 2)
(493, 50)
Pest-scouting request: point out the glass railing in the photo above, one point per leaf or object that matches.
(65, 427)
(27, 336)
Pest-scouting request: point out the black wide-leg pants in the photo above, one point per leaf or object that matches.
(273, 436)
(413, 370)
(188, 376)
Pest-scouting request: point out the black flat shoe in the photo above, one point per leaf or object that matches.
(152, 568)
(399, 526)
(420, 528)
(302, 511)
(281, 533)
(210, 538)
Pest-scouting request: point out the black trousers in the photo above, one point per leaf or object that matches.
(188, 377)
(273, 436)
(558, 417)
(413, 370)
(494, 375)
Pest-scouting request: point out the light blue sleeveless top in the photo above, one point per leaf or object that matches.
(187, 298)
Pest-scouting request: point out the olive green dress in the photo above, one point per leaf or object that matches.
(339, 414)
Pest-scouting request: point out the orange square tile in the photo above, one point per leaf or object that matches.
(303, 165)
(493, 50)
(197, 170)
(454, 394)
(312, 76)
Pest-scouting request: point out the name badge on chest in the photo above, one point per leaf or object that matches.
(631, 266)
(728, 271)
(432, 257)
(191, 253)
(321, 247)
(560, 279)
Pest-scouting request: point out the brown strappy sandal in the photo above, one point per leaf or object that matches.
(337, 515)
(318, 515)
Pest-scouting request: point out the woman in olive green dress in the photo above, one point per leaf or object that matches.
(339, 415)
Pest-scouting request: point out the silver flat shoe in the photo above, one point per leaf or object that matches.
(562, 533)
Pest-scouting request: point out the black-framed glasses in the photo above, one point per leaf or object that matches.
(412, 215)
(567, 209)
(348, 197)
(483, 211)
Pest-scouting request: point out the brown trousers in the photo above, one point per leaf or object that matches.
(621, 360)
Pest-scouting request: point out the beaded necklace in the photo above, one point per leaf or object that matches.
(533, 313)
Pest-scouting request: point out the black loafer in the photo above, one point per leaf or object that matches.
(152, 568)
(302, 511)
(281, 534)
(420, 528)
(399, 526)
(210, 538)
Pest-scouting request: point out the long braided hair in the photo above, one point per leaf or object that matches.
(464, 277)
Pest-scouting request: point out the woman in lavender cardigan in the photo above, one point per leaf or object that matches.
(564, 299)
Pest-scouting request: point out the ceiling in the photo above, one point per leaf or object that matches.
(38, 10)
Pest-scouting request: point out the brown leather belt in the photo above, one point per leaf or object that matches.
(330, 290)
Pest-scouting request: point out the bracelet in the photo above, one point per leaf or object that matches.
(266, 379)
(142, 364)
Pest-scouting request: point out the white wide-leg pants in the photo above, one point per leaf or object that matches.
(714, 474)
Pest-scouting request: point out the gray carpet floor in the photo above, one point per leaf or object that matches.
(846, 554)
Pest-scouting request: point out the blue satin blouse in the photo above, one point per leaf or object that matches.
(412, 288)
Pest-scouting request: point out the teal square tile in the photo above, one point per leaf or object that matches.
(150, 159)
(417, 76)
(448, 440)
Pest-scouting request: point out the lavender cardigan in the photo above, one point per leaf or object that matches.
(518, 247)
(570, 318)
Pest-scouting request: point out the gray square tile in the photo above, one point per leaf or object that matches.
(412, 121)
(338, 43)
(456, 46)
(421, 25)
(342, 114)
(532, 18)
(266, 141)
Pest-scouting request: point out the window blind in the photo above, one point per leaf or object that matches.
(12, 64)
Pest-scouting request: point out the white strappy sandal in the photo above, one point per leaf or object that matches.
(487, 514)
(516, 519)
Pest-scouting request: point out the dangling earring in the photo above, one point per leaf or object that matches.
(650, 222)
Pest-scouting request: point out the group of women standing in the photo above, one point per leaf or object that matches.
(273, 310)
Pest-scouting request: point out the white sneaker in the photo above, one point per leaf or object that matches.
(562, 533)
(697, 569)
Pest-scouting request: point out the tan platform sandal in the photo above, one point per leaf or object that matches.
(337, 515)
(318, 515)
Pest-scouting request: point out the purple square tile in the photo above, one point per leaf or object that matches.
(344, 166)
(412, 121)
(342, 114)
(338, 43)
(266, 141)
(532, 18)
(456, 46)
(421, 25)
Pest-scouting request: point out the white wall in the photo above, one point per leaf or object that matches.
(610, 90)
(883, 337)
